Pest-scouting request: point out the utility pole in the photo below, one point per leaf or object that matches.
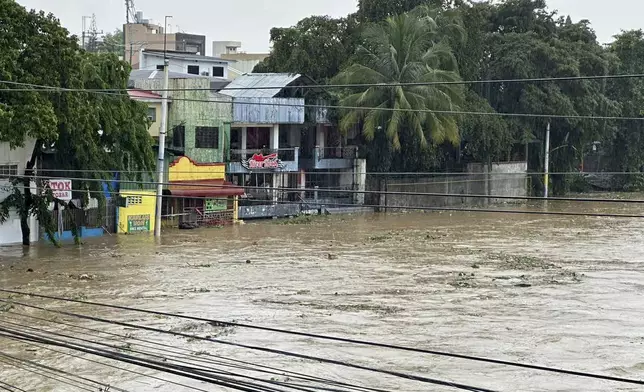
(546, 164)
(161, 160)
(162, 132)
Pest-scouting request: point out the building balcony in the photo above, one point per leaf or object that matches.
(330, 158)
(264, 160)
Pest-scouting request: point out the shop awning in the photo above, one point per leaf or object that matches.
(205, 188)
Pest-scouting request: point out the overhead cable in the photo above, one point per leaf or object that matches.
(331, 338)
(363, 108)
(257, 348)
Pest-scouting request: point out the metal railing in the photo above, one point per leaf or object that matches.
(348, 152)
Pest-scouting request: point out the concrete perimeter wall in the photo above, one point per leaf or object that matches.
(505, 179)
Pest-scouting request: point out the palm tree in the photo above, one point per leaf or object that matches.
(408, 48)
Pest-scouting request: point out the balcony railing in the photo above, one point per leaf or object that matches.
(350, 152)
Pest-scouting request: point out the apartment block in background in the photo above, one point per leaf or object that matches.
(145, 34)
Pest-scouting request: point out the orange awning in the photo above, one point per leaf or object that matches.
(205, 188)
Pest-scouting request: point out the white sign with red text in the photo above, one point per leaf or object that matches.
(61, 188)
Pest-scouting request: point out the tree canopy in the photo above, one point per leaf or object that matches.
(77, 130)
(500, 40)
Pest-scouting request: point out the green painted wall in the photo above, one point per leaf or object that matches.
(195, 108)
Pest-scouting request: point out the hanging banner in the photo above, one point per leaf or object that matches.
(138, 223)
(263, 162)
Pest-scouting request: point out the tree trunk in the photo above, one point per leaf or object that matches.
(25, 211)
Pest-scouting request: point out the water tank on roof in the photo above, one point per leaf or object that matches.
(139, 17)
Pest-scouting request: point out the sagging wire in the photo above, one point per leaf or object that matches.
(294, 386)
(244, 365)
(325, 337)
(344, 107)
(264, 349)
(52, 375)
(317, 205)
(190, 372)
(8, 387)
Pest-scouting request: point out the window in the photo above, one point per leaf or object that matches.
(207, 137)
(8, 170)
(179, 136)
(152, 114)
(193, 69)
(218, 72)
(160, 67)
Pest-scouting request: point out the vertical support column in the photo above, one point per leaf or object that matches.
(244, 142)
(236, 209)
(277, 176)
(319, 140)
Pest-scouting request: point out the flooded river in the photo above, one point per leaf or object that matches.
(558, 291)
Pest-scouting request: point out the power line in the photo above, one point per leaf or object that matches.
(9, 387)
(343, 191)
(164, 358)
(312, 205)
(178, 350)
(264, 349)
(177, 370)
(397, 84)
(101, 363)
(15, 362)
(362, 108)
(331, 338)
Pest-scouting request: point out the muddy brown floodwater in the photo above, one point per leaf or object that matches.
(558, 291)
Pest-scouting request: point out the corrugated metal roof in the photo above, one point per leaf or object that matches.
(245, 85)
(142, 94)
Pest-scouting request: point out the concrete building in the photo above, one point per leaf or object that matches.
(197, 147)
(243, 62)
(144, 34)
(187, 63)
(13, 161)
(276, 142)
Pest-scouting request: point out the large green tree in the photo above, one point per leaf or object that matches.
(404, 49)
(80, 129)
(627, 146)
(317, 46)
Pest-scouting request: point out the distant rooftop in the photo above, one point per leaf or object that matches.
(183, 55)
(143, 94)
(245, 86)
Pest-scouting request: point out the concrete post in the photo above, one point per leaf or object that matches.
(244, 142)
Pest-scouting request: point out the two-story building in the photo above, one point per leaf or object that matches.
(278, 140)
(197, 145)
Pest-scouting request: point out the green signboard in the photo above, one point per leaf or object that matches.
(138, 223)
(215, 205)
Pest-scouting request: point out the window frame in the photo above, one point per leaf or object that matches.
(205, 139)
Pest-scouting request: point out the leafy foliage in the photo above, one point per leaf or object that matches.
(317, 47)
(79, 129)
(405, 49)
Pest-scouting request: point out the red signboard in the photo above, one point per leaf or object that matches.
(263, 162)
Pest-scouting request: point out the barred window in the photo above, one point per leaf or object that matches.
(207, 137)
(6, 171)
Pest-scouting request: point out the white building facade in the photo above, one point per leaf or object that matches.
(13, 162)
(185, 63)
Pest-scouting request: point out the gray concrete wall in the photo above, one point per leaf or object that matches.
(505, 179)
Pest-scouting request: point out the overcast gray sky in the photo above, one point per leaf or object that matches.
(250, 21)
